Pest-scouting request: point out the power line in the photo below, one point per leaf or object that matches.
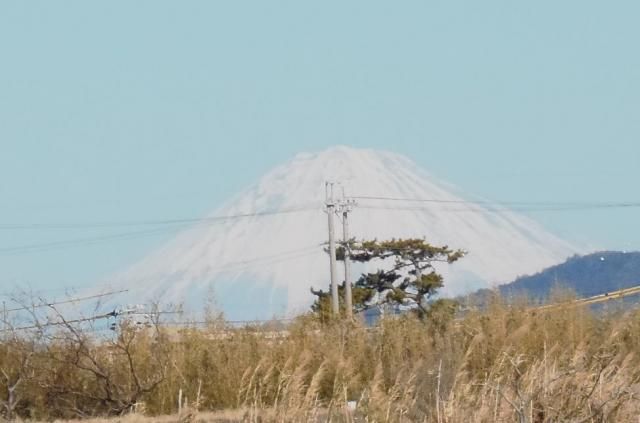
(170, 224)
(504, 209)
(280, 257)
(69, 301)
(237, 265)
(54, 245)
(607, 296)
(112, 314)
(274, 258)
(68, 290)
(160, 222)
(65, 322)
(230, 322)
(572, 205)
(136, 234)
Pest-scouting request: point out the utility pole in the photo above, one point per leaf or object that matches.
(348, 296)
(331, 209)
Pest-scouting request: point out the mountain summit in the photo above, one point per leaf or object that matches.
(261, 253)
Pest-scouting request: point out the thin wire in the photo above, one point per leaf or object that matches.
(272, 259)
(504, 209)
(155, 222)
(533, 207)
(78, 242)
(505, 203)
(69, 301)
(69, 290)
(63, 323)
(134, 234)
(232, 322)
(237, 265)
(111, 315)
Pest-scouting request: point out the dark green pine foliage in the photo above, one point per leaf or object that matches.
(322, 305)
(406, 274)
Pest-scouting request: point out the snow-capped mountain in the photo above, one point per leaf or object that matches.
(263, 263)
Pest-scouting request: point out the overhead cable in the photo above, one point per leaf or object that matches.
(69, 301)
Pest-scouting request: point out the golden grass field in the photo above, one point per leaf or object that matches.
(502, 364)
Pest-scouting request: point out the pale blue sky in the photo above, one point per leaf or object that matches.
(130, 110)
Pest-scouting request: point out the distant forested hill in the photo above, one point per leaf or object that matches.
(588, 275)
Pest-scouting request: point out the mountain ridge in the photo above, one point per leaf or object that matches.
(588, 275)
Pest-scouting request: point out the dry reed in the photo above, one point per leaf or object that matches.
(506, 363)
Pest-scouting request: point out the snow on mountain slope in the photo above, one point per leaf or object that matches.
(260, 266)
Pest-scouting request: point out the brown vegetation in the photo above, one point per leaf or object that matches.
(505, 363)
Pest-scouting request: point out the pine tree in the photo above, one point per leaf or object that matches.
(406, 274)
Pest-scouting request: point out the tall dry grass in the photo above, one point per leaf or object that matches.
(506, 363)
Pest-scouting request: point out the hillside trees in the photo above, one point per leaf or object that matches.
(406, 275)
